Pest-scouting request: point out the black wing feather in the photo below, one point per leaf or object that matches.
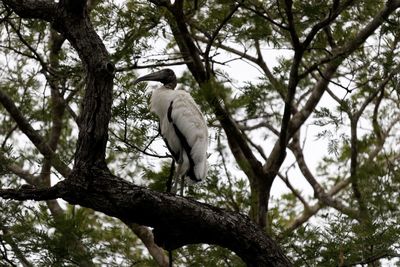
(184, 143)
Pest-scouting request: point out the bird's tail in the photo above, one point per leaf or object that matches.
(194, 172)
(197, 173)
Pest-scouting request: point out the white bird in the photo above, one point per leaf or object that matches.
(182, 126)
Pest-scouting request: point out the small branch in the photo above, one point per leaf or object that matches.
(319, 191)
(380, 88)
(156, 65)
(372, 259)
(215, 34)
(4, 254)
(36, 56)
(279, 86)
(333, 14)
(8, 135)
(375, 124)
(147, 237)
(259, 61)
(295, 192)
(25, 175)
(354, 152)
(123, 140)
(340, 53)
(291, 24)
(233, 202)
(257, 11)
(29, 193)
(32, 134)
(316, 66)
(15, 248)
(307, 214)
(259, 149)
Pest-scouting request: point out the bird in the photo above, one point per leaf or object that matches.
(182, 126)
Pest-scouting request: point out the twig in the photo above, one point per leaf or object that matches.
(215, 34)
(123, 140)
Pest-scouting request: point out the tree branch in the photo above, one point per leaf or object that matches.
(147, 237)
(291, 25)
(35, 9)
(294, 191)
(214, 35)
(307, 214)
(15, 248)
(180, 221)
(256, 10)
(32, 134)
(339, 55)
(31, 193)
(319, 191)
(333, 14)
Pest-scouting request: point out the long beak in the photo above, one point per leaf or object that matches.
(155, 76)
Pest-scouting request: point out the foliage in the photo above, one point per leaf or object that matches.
(358, 120)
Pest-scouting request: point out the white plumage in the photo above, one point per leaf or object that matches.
(182, 125)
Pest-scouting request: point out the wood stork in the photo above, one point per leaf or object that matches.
(182, 126)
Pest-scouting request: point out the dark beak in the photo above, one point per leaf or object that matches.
(158, 76)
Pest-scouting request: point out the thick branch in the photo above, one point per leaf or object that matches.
(73, 22)
(185, 43)
(31, 193)
(177, 221)
(35, 9)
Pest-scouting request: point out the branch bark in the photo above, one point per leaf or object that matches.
(41, 9)
(177, 221)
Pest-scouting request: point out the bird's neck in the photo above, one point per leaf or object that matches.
(170, 85)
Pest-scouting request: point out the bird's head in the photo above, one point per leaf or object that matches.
(166, 77)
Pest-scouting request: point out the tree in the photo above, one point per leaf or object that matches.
(92, 128)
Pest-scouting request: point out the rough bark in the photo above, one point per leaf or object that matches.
(176, 221)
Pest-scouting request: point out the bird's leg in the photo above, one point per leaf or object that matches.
(180, 159)
(176, 179)
(182, 185)
(170, 178)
